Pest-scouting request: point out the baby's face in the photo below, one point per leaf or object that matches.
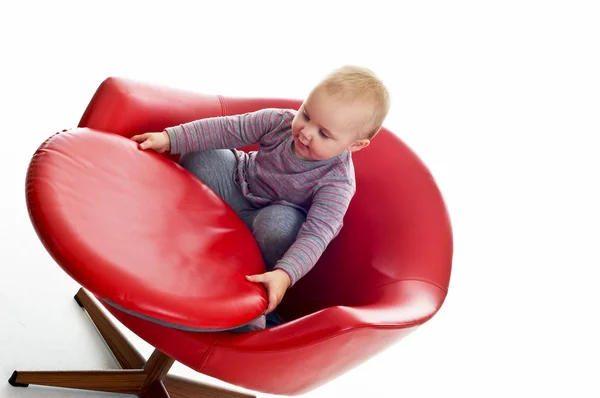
(325, 127)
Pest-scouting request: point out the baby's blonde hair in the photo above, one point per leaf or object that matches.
(351, 82)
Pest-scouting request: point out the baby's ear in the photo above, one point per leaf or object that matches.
(359, 144)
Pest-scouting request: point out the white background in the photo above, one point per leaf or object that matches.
(500, 99)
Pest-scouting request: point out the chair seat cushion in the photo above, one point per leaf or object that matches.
(142, 233)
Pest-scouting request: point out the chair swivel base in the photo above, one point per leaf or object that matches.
(146, 379)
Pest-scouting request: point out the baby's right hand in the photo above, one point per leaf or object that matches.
(158, 142)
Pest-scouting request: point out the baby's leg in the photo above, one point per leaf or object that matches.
(216, 168)
(275, 229)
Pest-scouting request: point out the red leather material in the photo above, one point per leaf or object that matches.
(385, 274)
(131, 107)
(143, 233)
(302, 354)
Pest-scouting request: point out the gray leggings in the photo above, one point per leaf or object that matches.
(274, 227)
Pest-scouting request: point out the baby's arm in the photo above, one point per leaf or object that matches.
(323, 223)
(223, 132)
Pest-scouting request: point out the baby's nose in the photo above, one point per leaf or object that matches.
(307, 133)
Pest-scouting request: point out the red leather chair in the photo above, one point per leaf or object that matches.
(384, 275)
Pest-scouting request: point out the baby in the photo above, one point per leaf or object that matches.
(294, 191)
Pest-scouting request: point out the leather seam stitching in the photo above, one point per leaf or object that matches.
(443, 289)
(223, 105)
(206, 355)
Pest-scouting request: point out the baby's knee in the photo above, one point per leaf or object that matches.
(274, 237)
(275, 230)
(278, 224)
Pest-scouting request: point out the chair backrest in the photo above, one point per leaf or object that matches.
(396, 228)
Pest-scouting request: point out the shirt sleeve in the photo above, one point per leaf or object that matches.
(223, 132)
(323, 223)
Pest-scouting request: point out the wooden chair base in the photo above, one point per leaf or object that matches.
(146, 379)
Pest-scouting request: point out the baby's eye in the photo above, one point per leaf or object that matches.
(323, 134)
(305, 116)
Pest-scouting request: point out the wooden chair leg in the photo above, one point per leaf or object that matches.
(156, 390)
(180, 387)
(125, 353)
(156, 369)
(121, 381)
(146, 379)
(144, 382)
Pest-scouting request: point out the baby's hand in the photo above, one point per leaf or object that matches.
(276, 282)
(158, 142)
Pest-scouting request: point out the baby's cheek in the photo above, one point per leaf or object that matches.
(319, 154)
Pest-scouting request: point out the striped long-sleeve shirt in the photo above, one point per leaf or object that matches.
(274, 175)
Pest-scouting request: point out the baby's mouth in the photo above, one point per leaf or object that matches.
(301, 145)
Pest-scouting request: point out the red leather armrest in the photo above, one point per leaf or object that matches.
(127, 107)
(399, 305)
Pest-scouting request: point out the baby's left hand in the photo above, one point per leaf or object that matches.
(276, 282)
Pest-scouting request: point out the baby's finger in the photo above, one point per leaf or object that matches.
(272, 303)
(146, 144)
(138, 138)
(255, 278)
